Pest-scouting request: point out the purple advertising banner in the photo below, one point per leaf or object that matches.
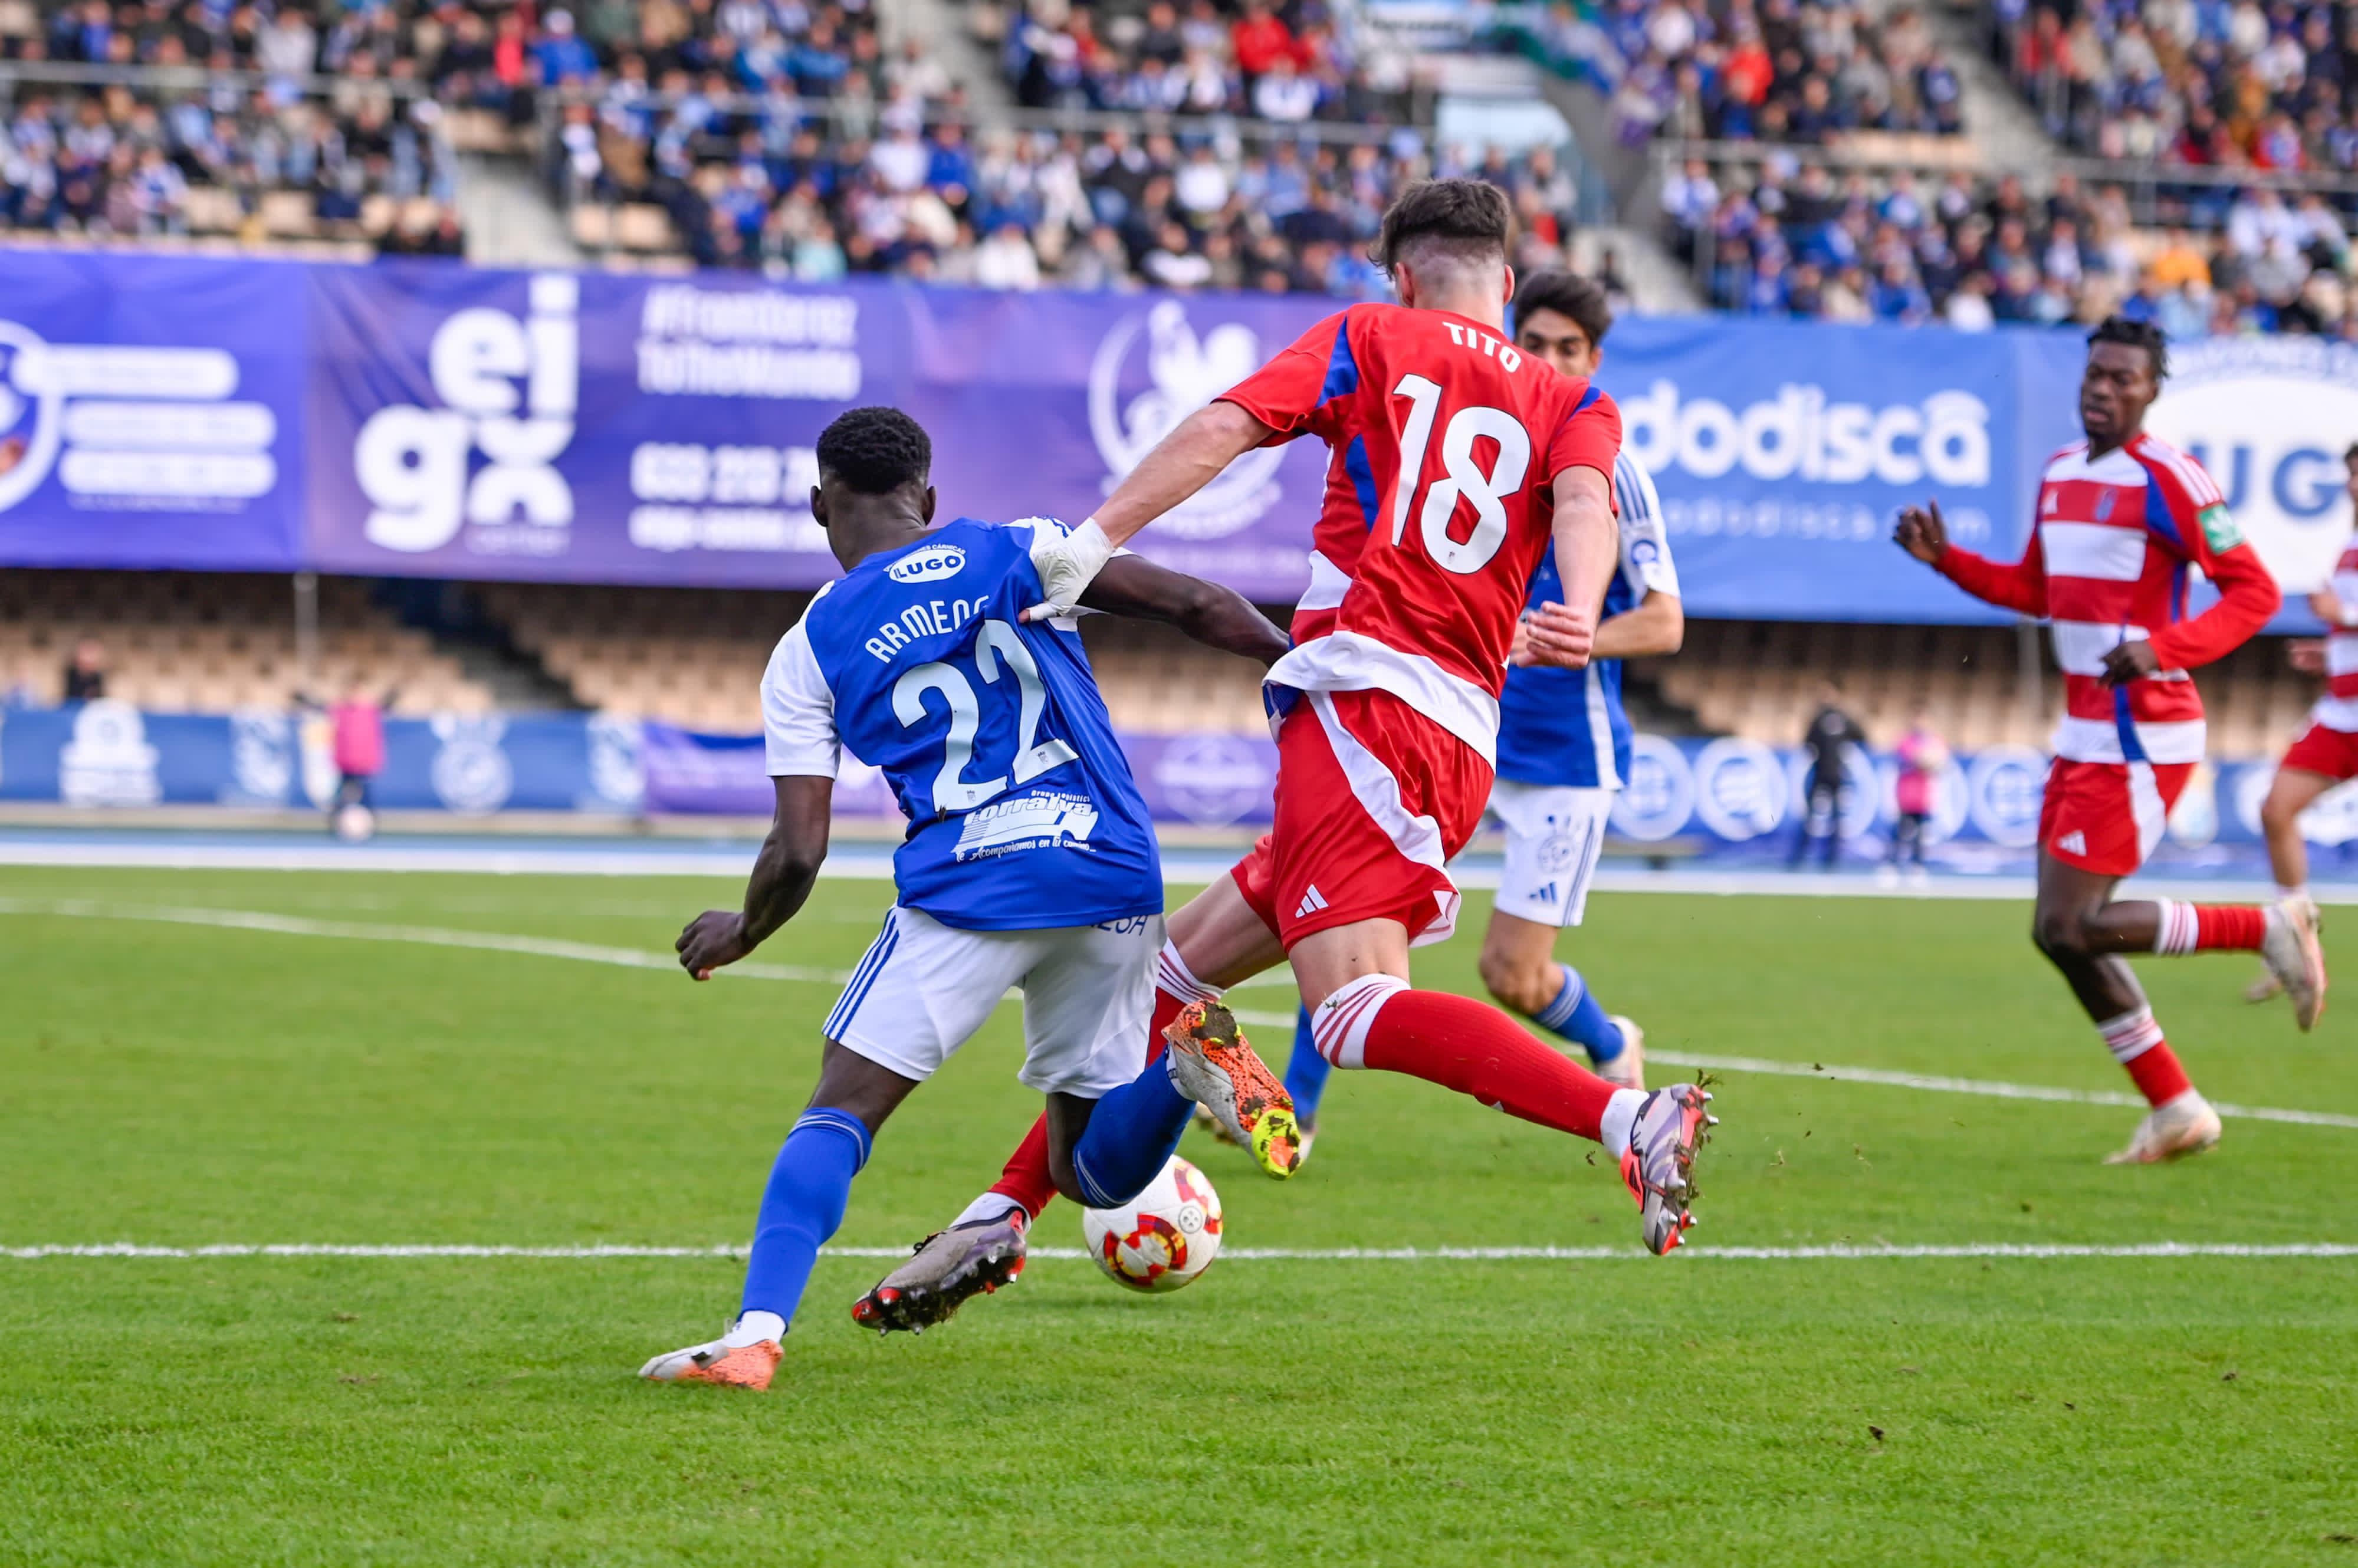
(605, 429)
(150, 411)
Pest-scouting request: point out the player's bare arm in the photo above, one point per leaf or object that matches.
(783, 874)
(1922, 533)
(1181, 463)
(1655, 626)
(1216, 616)
(2326, 606)
(1587, 545)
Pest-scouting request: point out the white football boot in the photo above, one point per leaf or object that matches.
(1658, 1166)
(2291, 951)
(1626, 1071)
(746, 1365)
(2183, 1126)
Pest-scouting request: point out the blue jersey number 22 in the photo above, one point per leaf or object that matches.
(952, 792)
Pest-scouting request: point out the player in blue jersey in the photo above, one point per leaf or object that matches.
(1030, 862)
(1563, 742)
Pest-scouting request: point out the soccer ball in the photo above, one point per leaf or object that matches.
(355, 823)
(1163, 1237)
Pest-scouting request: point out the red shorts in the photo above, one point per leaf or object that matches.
(1372, 800)
(2106, 817)
(2333, 753)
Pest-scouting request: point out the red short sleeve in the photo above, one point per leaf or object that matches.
(1291, 394)
(1589, 437)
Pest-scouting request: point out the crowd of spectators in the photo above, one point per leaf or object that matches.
(1285, 64)
(1793, 239)
(109, 159)
(1106, 208)
(1771, 70)
(2209, 83)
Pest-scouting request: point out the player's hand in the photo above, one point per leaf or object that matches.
(1557, 636)
(1921, 532)
(1066, 567)
(712, 939)
(2130, 661)
(2307, 655)
(1518, 651)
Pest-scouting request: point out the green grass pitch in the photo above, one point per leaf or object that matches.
(187, 1084)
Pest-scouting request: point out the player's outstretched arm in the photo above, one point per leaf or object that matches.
(1214, 616)
(1655, 625)
(2248, 597)
(1587, 546)
(2020, 587)
(783, 874)
(1191, 457)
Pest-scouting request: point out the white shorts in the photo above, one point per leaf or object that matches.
(925, 988)
(1554, 834)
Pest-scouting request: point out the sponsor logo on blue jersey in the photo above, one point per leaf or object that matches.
(927, 563)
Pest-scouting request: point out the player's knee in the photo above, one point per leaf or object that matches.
(2062, 934)
(2277, 813)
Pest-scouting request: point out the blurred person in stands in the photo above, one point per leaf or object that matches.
(1831, 733)
(2326, 754)
(86, 672)
(1922, 754)
(358, 726)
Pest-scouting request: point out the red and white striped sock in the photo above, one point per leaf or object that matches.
(2134, 1040)
(2208, 927)
(1462, 1045)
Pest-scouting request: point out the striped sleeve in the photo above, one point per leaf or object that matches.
(1645, 544)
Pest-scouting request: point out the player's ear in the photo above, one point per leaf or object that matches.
(1508, 298)
(1404, 283)
(819, 506)
(926, 507)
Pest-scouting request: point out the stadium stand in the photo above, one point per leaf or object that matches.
(141, 122)
(1778, 71)
(209, 642)
(1877, 231)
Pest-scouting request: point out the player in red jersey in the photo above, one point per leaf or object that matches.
(2326, 753)
(2121, 518)
(1456, 460)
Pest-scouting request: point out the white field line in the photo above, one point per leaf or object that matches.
(1993, 1249)
(633, 959)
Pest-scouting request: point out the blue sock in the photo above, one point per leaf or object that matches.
(1575, 1015)
(802, 1206)
(1305, 1072)
(1132, 1132)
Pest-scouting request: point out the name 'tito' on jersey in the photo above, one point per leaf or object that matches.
(1023, 813)
(1446, 444)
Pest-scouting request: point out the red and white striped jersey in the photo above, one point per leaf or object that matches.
(1446, 442)
(2117, 536)
(2338, 710)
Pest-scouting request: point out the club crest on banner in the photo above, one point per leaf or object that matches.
(1183, 371)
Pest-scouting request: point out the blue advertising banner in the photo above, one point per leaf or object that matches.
(1721, 799)
(151, 411)
(425, 418)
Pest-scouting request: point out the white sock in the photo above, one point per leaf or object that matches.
(752, 1327)
(989, 1209)
(1619, 1120)
(2289, 895)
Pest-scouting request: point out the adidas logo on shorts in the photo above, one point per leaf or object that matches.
(2073, 843)
(1312, 903)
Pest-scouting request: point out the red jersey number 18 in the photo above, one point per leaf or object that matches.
(1462, 477)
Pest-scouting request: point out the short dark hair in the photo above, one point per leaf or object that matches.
(1569, 294)
(1468, 218)
(2350, 456)
(875, 451)
(2136, 335)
